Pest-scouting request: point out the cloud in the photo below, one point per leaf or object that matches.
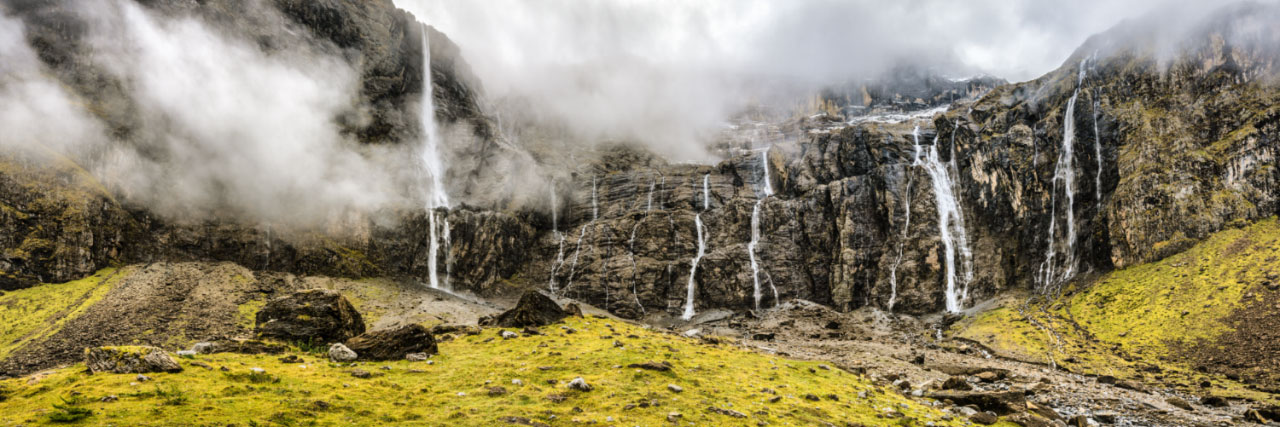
(223, 129)
(667, 72)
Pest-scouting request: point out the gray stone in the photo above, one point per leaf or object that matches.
(340, 353)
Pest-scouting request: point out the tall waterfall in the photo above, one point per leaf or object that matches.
(433, 168)
(906, 224)
(702, 248)
(555, 229)
(577, 251)
(1097, 151)
(1064, 173)
(766, 191)
(951, 228)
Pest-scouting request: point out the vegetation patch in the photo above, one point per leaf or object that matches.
(460, 387)
(1140, 322)
(38, 312)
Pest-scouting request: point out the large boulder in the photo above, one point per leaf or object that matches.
(534, 309)
(129, 360)
(314, 315)
(393, 344)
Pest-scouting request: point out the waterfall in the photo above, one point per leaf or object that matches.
(702, 248)
(555, 229)
(649, 206)
(433, 167)
(595, 213)
(1097, 149)
(1064, 173)
(766, 191)
(906, 224)
(950, 219)
(595, 204)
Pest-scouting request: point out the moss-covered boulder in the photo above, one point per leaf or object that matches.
(129, 360)
(313, 315)
(393, 344)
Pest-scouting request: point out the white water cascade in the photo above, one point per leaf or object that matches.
(1097, 151)
(702, 248)
(1064, 173)
(906, 224)
(595, 212)
(766, 191)
(951, 228)
(555, 229)
(433, 167)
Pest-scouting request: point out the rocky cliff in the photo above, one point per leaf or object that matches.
(1127, 153)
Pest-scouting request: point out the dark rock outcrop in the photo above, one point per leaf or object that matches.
(314, 315)
(534, 309)
(393, 344)
(1004, 402)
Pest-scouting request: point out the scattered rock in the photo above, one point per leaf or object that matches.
(1179, 403)
(1078, 421)
(360, 373)
(1031, 420)
(129, 360)
(675, 388)
(580, 384)
(341, 354)
(957, 383)
(1106, 379)
(393, 344)
(813, 397)
(987, 376)
(573, 309)
(313, 315)
(203, 347)
(529, 330)
(727, 412)
(244, 346)
(292, 358)
(1004, 402)
(983, 418)
(534, 309)
(1214, 401)
(109, 398)
(522, 421)
(762, 337)
(1106, 417)
(142, 378)
(506, 335)
(496, 391)
(442, 329)
(187, 354)
(417, 357)
(664, 366)
(673, 417)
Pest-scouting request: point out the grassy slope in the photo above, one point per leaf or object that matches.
(1132, 323)
(31, 314)
(418, 393)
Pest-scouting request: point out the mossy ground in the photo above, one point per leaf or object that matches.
(416, 393)
(34, 313)
(1138, 322)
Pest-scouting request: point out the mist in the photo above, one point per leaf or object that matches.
(224, 129)
(668, 73)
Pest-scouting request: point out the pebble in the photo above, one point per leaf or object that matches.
(506, 335)
(675, 388)
(580, 384)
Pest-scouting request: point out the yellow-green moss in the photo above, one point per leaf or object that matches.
(415, 393)
(1133, 319)
(248, 312)
(34, 313)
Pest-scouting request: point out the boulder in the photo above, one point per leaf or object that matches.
(534, 309)
(1005, 402)
(393, 344)
(129, 360)
(313, 315)
(340, 353)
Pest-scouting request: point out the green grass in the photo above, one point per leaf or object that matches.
(416, 393)
(1131, 323)
(37, 312)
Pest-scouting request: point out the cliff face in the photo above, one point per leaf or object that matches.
(917, 216)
